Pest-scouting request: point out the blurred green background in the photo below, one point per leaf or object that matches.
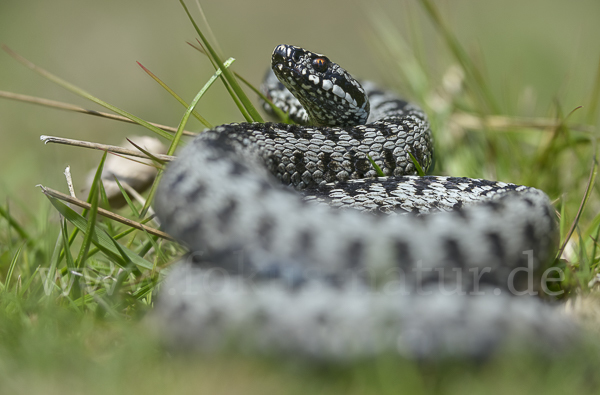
(542, 49)
(536, 55)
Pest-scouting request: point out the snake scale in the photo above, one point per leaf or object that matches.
(296, 246)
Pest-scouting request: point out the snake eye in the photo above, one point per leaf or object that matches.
(320, 64)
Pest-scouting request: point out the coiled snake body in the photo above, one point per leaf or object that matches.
(280, 270)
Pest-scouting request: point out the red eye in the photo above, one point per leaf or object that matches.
(320, 64)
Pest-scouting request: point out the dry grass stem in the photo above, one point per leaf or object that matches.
(103, 147)
(503, 123)
(72, 107)
(105, 213)
(70, 181)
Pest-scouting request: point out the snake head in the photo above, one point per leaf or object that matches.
(330, 95)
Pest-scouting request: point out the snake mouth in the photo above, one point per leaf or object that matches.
(286, 70)
(287, 73)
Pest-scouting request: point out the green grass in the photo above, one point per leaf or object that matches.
(75, 289)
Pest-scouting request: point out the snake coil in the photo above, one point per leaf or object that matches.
(321, 271)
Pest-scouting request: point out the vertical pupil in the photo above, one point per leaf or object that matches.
(320, 64)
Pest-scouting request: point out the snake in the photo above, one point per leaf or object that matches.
(319, 238)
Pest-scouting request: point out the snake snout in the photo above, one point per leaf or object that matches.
(283, 54)
(279, 54)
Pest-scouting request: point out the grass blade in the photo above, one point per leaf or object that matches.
(175, 95)
(126, 197)
(182, 124)
(48, 281)
(159, 251)
(284, 117)
(27, 283)
(104, 196)
(232, 94)
(119, 236)
(376, 167)
(594, 248)
(91, 224)
(415, 162)
(581, 206)
(477, 80)
(278, 111)
(11, 267)
(80, 92)
(148, 153)
(100, 238)
(105, 213)
(158, 167)
(227, 75)
(105, 147)
(223, 67)
(71, 107)
(67, 249)
(15, 225)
